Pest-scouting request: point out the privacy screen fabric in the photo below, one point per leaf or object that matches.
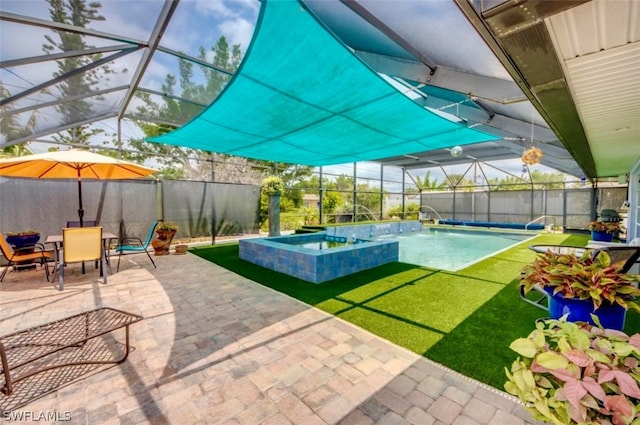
(301, 96)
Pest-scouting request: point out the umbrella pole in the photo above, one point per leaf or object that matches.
(80, 210)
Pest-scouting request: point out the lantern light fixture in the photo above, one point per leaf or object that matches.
(456, 151)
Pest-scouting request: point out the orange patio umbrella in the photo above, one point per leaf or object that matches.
(74, 163)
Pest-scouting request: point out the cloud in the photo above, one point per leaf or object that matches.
(217, 8)
(238, 31)
(227, 8)
(234, 20)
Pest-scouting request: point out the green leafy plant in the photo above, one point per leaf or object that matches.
(29, 232)
(604, 226)
(583, 278)
(272, 185)
(574, 373)
(167, 226)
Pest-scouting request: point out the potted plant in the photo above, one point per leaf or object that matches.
(570, 373)
(583, 285)
(603, 230)
(166, 231)
(23, 239)
(166, 226)
(273, 187)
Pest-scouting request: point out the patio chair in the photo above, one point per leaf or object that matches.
(81, 244)
(628, 254)
(85, 223)
(133, 245)
(17, 257)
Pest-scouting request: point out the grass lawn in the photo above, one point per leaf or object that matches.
(464, 320)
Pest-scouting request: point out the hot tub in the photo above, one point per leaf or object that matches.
(318, 257)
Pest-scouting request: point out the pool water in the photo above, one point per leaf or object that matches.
(453, 250)
(321, 245)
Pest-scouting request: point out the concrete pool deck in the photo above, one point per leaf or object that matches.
(216, 348)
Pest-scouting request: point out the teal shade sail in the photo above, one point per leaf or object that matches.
(301, 96)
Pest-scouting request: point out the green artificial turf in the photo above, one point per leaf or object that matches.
(464, 320)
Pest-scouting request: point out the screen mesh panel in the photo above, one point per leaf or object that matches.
(301, 96)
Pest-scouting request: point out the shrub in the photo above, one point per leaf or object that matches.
(572, 373)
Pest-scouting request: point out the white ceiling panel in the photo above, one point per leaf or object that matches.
(608, 101)
(599, 46)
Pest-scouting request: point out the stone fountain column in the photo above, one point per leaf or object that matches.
(274, 215)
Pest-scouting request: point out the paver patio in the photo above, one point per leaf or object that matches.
(215, 347)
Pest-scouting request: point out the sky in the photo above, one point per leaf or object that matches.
(133, 19)
(235, 19)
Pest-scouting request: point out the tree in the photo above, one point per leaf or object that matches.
(539, 179)
(331, 201)
(412, 211)
(77, 13)
(344, 183)
(552, 180)
(195, 164)
(459, 181)
(12, 129)
(428, 183)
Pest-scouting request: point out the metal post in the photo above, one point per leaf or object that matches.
(355, 192)
(121, 228)
(381, 190)
(531, 212)
(564, 208)
(404, 207)
(454, 202)
(213, 199)
(159, 200)
(213, 167)
(594, 200)
(320, 202)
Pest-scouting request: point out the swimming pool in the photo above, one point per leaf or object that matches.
(452, 250)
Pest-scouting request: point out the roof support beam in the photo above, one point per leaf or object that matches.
(63, 55)
(155, 120)
(490, 88)
(488, 151)
(386, 30)
(504, 29)
(10, 112)
(198, 61)
(57, 129)
(154, 41)
(171, 96)
(66, 76)
(502, 124)
(12, 17)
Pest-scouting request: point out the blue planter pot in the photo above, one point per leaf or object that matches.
(23, 240)
(611, 316)
(601, 236)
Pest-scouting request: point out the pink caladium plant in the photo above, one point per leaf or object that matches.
(584, 278)
(575, 373)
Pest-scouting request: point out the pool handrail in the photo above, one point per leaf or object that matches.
(540, 218)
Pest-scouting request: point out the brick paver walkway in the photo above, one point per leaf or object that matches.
(216, 348)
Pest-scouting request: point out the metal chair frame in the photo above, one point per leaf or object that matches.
(16, 257)
(134, 245)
